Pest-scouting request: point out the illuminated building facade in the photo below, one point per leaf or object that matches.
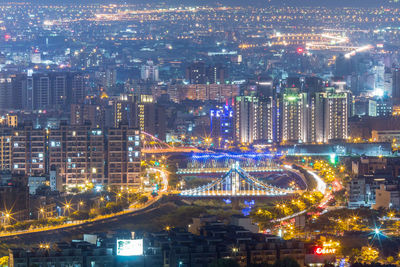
(254, 119)
(384, 107)
(81, 113)
(196, 73)
(315, 120)
(146, 101)
(337, 111)
(77, 153)
(267, 122)
(216, 74)
(12, 120)
(149, 71)
(246, 118)
(151, 117)
(123, 156)
(29, 150)
(124, 112)
(52, 90)
(221, 124)
(5, 149)
(294, 116)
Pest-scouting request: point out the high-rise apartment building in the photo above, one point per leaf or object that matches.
(199, 73)
(107, 78)
(123, 156)
(151, 116)
(254, 119)
(222, 125)
(77, 153)
(53, 90)
(315, 119)
(149, 71)
(396, 86)
(125, 111)
(216, 74)
(336, 115)
(196, 73)
(266, 125)
(29, 150)
(5, 149)
(11, 86)
(78, 88)
(246, 119)
(5, 91)
(82, 113)
(294, 116)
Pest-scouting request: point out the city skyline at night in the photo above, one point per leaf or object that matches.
(199, 133)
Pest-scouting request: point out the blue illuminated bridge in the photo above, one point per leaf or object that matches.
(235, 175)
(236, 182)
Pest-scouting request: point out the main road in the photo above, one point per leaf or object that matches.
(53, 234)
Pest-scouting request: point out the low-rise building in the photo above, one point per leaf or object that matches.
(35, 182)
(387, 196)
(80, 253)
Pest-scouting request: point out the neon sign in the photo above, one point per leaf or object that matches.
(324, 251)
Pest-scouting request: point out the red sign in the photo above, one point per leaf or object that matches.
(324, 251)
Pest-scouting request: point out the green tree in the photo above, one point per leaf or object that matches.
(113, 207)
(368, 255)
(390, 259)
(4, 261)
(143, 199)
(80, 215)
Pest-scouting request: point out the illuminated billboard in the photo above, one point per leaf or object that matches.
(130, 247)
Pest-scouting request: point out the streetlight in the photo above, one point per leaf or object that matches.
(101, 200)
(235, 250)
(7, 219)
(66, 208)
(41, 211)
(80, 204)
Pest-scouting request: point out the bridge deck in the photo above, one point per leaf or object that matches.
(227, 193)
(224, 170)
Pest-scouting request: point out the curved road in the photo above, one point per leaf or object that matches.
(321, 186)
(39, 233)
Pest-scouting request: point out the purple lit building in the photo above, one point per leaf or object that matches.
(221, 125)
